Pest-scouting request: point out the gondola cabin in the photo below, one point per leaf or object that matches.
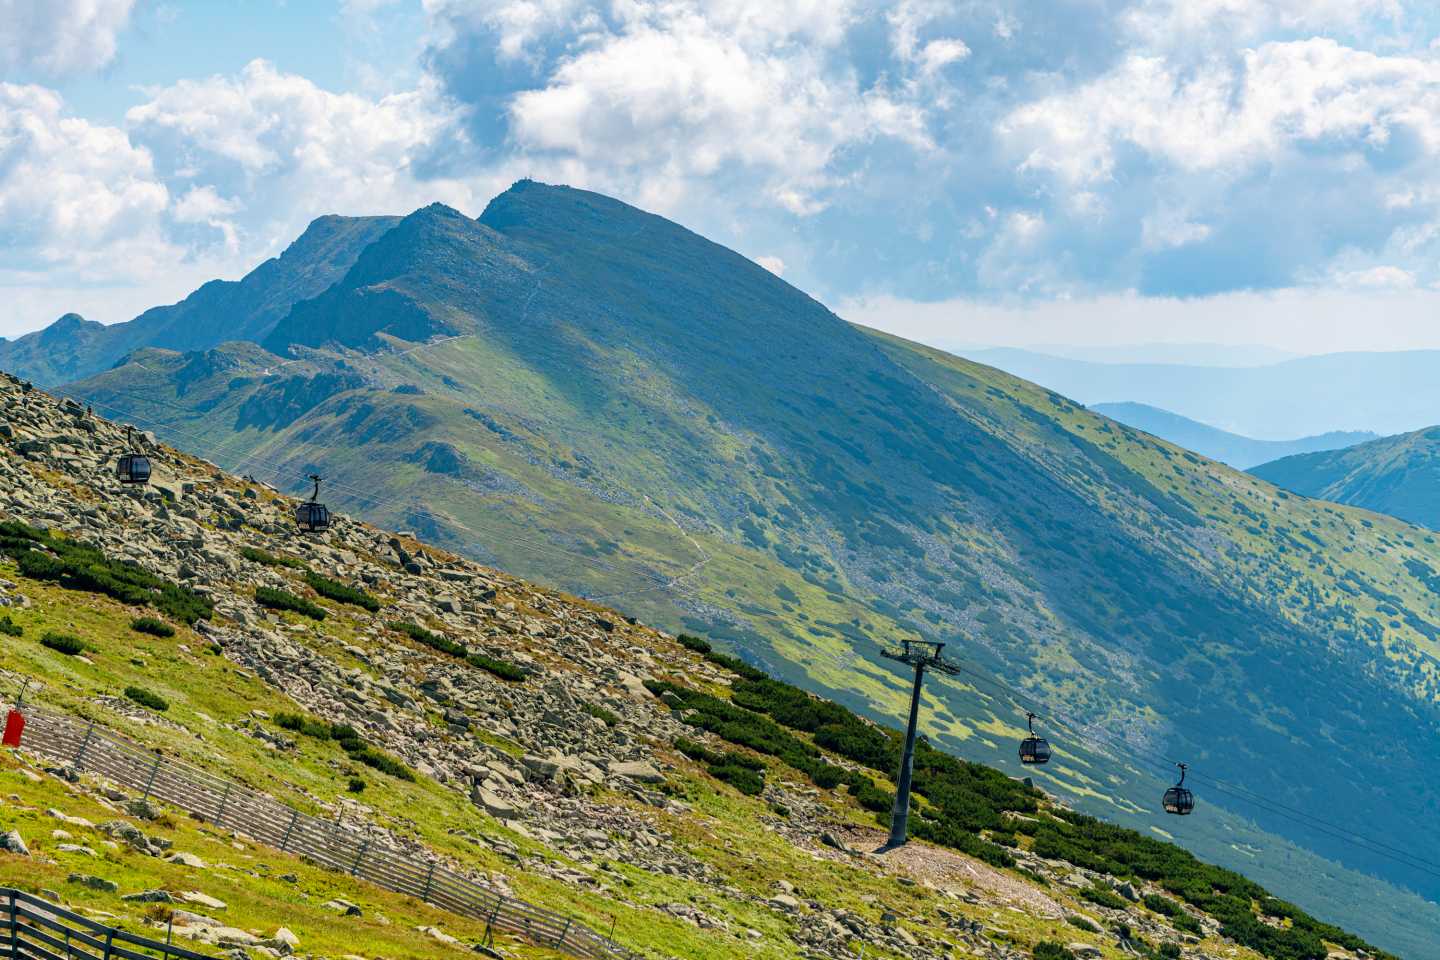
(1033, 749)
(133, 468)
(312, 516)
(1179, 800)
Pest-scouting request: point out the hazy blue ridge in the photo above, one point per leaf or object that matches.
(1229, 448)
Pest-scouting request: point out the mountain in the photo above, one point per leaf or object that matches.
(617, 406)
(72, 348)
(461, 722)
(1185, 354)
(1383, 393)
(1396, 475)
(1230, 448)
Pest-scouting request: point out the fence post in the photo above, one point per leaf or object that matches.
(80, 751)
(493, 914)
(359, 855)
(429, 879)
(286, 842)
(563, 933)
(150, 783)
(109, 943)
(224, 800)
(14, 925)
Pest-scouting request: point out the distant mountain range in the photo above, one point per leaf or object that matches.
(248, 309)
(582, 392)
(1396, 475)
(1230, 448)
(1383, 393)
(1186, 354)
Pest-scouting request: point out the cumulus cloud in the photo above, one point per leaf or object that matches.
(58, 38)
(259, 154)
(654, 99)
(75, 197)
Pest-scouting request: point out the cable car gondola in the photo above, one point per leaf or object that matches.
(1178, 800)
(1033, 749)
(313, 516)
(132, 467)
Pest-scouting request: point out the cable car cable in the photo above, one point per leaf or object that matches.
(660, 582)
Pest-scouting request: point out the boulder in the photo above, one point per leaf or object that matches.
(642, 770)
(12, 842)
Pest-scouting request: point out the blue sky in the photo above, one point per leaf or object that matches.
(964, 171)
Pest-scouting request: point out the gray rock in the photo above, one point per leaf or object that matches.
(642, 770)
(94, 883)
(12, 842)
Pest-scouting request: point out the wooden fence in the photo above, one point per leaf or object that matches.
(93, 749)
(35, 929)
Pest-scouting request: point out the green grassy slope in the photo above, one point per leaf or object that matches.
(634, 413)
(764, 853)
(1397, 475)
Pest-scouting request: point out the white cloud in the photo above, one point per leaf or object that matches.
(1231, 115)
(75, 197)
(774, 264)
(657, 96)
(283, 150)
(1235, 23)
(938, 54)
(60, 37)
(1376, 278)
(1301, 320)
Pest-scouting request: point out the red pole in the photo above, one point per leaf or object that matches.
(14, 728)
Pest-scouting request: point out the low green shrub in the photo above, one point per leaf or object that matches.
(434, 640)
(10, 628)
(1170, 951)
(256, 555)
(349, 740)
(153, 626)
(1050, 950)
(147, 698)
(63, 643)
(503, 669)
(340, 592)
(41, 555)
(691, 642)
(282, 600)
(600, 713)
(1081, 923)
(356, 785)
(1103, 896)
(742, 771)
(296, 723)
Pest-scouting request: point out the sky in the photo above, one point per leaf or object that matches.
(1091, 172)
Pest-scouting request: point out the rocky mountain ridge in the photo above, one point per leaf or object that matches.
(522, 737)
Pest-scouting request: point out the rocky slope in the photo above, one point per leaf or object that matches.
(526, 737)
(615, 405)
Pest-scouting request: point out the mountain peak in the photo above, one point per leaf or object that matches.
(531, 209)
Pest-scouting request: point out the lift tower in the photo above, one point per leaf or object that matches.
(920, 655)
